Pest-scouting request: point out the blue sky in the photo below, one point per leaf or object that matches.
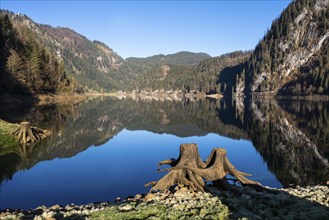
(145, 28)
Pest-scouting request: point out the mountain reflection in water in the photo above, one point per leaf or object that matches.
(292, 137)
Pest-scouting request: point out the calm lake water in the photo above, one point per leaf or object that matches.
(105, 148)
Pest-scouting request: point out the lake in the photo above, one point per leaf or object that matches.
(104, 148)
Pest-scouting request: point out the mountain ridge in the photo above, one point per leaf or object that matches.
(291, 59)
(178, 58)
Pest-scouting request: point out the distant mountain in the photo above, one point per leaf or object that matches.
(293, 57)
(96, 67)
(180, 58)
(151, 72)
(93, 66)
(90, 62)
(172, 72)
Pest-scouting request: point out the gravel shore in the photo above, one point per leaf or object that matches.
(310, 202)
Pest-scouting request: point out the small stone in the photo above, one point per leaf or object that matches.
(55, 207)
(180, 207)
(203, 213)
(245, 197)
(38, 217)
(48, 214)
(130, 199)
(126, 208)
(183, 190)
(214, 199)
(149, 197)
(11, 216)
(68, 207)
(138, 196)
(117, 199)
(172, 202)
(85, 212)
(41, 207)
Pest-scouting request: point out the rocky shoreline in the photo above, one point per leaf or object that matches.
(160, 95)
(311, 202)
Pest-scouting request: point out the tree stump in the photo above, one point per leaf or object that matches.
(191, 171)
(28, 134)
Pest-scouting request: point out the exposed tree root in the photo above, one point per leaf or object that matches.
(28, 134)
(192, 172)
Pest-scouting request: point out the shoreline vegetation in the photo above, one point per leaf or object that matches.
(162, 95)
(13, 135)
(169, 95)
(311, 202)
(156, 95)
(7, 141)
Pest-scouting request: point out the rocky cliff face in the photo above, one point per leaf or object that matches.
(281, 62)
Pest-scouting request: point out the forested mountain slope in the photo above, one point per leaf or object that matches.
(27, 66)
(292, 58)
(150, 73)
(212, 75)
(180, 58)
(96, 67)
(90, 62)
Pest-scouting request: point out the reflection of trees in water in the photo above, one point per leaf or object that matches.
(20, 159)
(311, 118)
(287, 136)
(294, 154)
(75, 127)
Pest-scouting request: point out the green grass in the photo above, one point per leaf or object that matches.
(7, 141)
(114, 213)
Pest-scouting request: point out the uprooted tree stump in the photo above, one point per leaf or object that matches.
(191, 171)
(25, 133)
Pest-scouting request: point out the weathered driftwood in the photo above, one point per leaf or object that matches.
(192, 172)
(25, 133)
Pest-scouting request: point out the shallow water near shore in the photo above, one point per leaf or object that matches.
(106, 148)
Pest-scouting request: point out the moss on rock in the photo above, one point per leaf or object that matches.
(168, 206)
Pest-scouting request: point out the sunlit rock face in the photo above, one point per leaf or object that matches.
(285, 60)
